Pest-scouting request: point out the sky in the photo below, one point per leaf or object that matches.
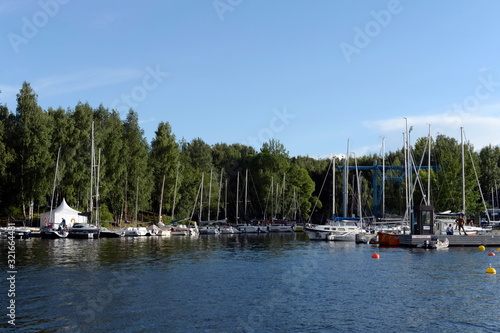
(313, 75)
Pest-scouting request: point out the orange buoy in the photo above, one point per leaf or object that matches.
(375, 256)
(491, 253)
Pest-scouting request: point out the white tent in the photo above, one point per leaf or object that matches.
(64, 211)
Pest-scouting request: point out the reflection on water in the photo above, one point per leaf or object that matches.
(249, 283)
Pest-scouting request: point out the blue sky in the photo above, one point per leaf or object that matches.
(311, 74)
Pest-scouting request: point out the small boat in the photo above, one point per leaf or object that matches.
(253, 228)
(47, 232)
(17, 233)
(338, 229)
(153, 230)
(434, 244)
(280, 227)
(135, 231)
(83, 231)
(228, 229)
(209, 230)
(106, 233)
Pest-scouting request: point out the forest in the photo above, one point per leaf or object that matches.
(48, 155)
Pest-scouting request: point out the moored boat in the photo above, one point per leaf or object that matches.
(106, 233)
(337, 229)
(83, 231)
(434, 243)
(48, 232)
(135, 231)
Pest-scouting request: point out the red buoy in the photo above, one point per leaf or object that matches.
(491, 253)
(375, 256)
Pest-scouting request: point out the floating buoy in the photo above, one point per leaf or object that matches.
(491, 253)
(498, 249)
(481, 248)
(491, 270)
(375, 256)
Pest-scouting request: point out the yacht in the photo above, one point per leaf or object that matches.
(338, 229)
(83, 230)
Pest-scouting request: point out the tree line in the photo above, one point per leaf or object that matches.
(140, 180)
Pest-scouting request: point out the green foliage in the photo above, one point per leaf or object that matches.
(271, 184)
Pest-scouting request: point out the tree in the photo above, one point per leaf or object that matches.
(138, 173)
(6, 157)
(109, 131)
(32, 150)
(164, 160)
(449, 193)
(490, 170)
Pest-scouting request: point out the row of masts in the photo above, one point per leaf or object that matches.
(273, 198)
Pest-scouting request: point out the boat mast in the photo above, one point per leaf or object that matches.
(54, 188)
(383, 177)
(237, 194)
(220, 192)
(225, 200)
(92, 161)
(136, 200)
(358, 186)
(246, 193)
(407, 173)
(429, 169)
(97, 190)
(161, 198)
(463, 170)
(346, 175)
(209, 194)
(333, 186)
(283, 203)
(201, 196)
(175, 188)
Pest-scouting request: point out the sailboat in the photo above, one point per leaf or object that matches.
(49, 230)
(246, 227)
(443, 219)
(389, 231)
(88, 230)
(336, 228)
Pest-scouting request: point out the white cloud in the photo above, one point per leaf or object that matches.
(60, 85)
(480, 126)
(83, 80)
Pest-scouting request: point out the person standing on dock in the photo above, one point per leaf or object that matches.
(460, 224)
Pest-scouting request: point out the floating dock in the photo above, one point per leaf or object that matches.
(486, 239)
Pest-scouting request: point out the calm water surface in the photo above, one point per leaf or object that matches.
(248, 283)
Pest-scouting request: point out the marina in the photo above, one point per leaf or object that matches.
(268, 282)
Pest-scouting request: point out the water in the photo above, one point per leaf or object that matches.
(259, 283)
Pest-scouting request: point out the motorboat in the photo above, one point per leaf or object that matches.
(228, 229)
(247, 228)
(135, 231)
(47, 232)
(209, 230)
(106, 233)
(281, 226)
(337, 229)
(434, 244)
(17, 233)
(83, 230)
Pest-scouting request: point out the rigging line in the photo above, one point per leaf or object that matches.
(321, 190)
(478, 184)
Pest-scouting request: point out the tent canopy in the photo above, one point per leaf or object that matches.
(64, 211)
